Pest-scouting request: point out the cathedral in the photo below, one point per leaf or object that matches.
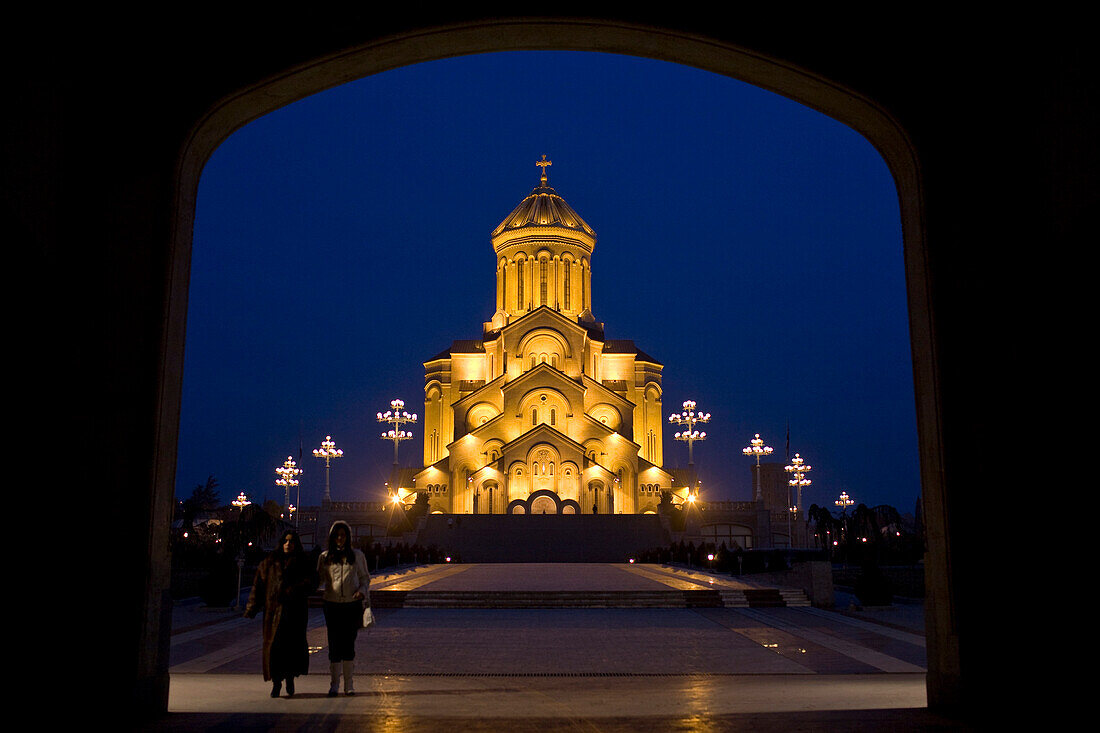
(543, 414)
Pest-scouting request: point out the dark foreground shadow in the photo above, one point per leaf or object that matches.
(843, 721)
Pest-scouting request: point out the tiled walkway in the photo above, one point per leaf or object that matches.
(604, 666)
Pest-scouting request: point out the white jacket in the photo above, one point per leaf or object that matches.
(342, 580)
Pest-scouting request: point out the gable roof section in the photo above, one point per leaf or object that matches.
(600, 393)
(544, 313)
(459, 346)
(543, 375)
(537, 434)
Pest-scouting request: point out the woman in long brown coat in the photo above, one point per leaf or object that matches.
(281, 589)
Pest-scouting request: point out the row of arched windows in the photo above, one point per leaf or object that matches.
(543, 282)
(544, 358)
(650, 488)
(553, 416)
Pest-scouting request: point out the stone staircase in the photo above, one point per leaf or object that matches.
(533, 538)
(763, 597)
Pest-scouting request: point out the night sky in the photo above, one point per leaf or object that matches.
(749, 244)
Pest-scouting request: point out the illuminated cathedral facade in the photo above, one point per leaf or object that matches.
(543, 414)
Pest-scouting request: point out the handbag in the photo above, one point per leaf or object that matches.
(368, 618)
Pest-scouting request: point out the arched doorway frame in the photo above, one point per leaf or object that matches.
(597, 35)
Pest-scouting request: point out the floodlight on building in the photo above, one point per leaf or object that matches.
(397, 417)
(328, 451)
(689, 418)
(757, 449)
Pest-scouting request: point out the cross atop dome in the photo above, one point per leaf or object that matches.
(544, 163)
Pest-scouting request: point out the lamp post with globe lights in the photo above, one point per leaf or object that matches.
(288, 477)
(757, 449)
(240, 502)
(798, 470)
(689, 418)
(328, 451)
(397, 417)
(843, 502)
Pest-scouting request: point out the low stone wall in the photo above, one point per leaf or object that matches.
(543, 537)
(905, 580)
(814, 577)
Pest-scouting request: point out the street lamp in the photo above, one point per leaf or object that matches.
(328, 451)
(844, 501)
(798, 470)
(397, 417)
(288, 476)
(689, 418)
(240, 502)
(758, 449)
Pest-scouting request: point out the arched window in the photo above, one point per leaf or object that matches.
(543, 265)
(553, 416)
(534, 416)
(568, 267)
(519, 284)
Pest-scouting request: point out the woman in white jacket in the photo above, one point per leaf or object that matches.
(343, 572)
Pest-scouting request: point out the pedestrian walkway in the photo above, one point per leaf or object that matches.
(597, 668)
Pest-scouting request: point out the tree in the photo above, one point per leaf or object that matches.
(274, 508)
(825, 527)
(204, 498)
(253, 524)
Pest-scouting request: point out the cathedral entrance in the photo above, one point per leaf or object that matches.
(543, 502)
(544, 505)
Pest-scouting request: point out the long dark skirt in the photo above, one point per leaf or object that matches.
(289, 648)
(343, 621)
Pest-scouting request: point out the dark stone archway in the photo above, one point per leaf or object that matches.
(111, 130)
(543, 501)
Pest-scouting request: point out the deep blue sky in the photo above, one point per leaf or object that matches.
(750, 244)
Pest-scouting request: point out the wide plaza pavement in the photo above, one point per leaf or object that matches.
(778, 668)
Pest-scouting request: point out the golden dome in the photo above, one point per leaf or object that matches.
(543, 212)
